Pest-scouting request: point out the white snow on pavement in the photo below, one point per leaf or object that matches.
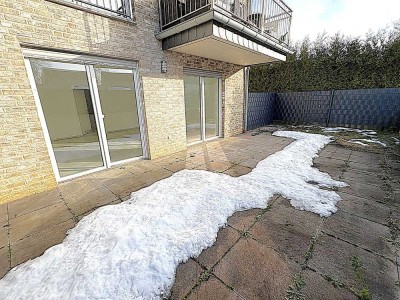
(131, 250)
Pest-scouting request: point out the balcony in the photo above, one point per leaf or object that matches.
(243, 32)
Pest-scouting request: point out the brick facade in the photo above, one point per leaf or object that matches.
(25, 165)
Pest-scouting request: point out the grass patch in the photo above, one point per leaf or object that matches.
(263, 211)
(294, 290)
(245, 234)
(204, 276)
(363, 292)
(394, 233)
(333, 281)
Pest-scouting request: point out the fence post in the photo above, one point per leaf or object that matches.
(330, 108)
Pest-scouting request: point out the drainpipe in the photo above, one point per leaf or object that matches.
(246, 94)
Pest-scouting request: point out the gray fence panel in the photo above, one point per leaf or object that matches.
(373, 108)
(303, 107)
(366, 108)
(260, 110)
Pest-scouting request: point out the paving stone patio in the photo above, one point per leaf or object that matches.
(273, 253)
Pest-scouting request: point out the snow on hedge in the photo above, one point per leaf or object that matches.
(131, 250)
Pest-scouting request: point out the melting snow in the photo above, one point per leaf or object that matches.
(131, 250)
(363, 141)
(365, 132)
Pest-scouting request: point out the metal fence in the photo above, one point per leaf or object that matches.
(363, 108)
(271, 18)
(120, 8)
(260, 109)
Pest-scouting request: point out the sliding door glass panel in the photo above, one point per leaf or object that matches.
(192, 109)
(119, 106)
(211, 107)
(67, 105)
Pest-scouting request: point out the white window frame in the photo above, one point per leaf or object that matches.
(203, 113)
(88, 62)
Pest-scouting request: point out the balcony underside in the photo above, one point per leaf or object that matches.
(213, 41)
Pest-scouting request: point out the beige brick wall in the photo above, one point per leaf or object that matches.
(24, 164)
(234, 104)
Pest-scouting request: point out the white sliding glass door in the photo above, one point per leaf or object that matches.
(89, 114)
(119, 106)
(202, 108)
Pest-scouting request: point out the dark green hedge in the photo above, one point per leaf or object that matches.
(336, 62)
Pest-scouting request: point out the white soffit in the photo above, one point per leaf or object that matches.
(224, 45)
(240, 40)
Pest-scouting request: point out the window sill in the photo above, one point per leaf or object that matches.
(95, 11)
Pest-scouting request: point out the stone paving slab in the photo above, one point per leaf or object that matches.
(352, 229)
(29, 204)
(38, 220)
(4, 261)
(86, 201)
(3, 234)
(249, 163)
(368, 209)
(151, 177)
(125, 186)
(361, 167)
(366, 191)
(372, 160)
(354, 177)
(318, 288)
(213, 289)
(255, 271)
(187, 275)
(218, 166)
(34, 245)
(243, 220)
(329, 162)
(286, 230)
(3, 213)
(226, 238)
(332, 257)
(237, 171)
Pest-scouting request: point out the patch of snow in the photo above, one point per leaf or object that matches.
(363, 141)
(358, 142)
(396, 140)
(365, 132)
(131, 250)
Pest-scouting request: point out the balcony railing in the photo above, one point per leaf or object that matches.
(121, 8)
(272, 18)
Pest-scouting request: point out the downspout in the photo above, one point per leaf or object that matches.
(246, 95)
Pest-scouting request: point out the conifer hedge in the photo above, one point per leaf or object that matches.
(334, 62)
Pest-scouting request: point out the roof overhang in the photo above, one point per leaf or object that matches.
(216, 42)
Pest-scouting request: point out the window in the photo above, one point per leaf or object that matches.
(90, 114)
